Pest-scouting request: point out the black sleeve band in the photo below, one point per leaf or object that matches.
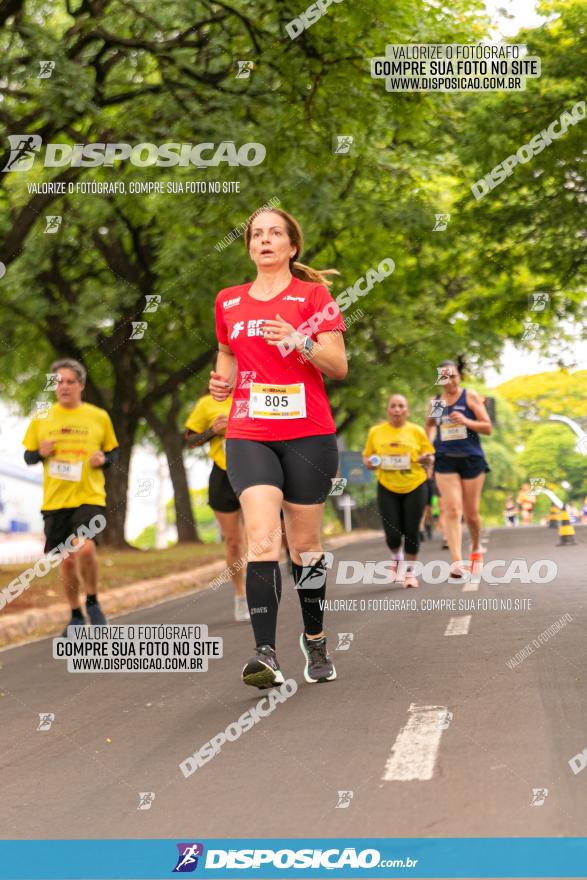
(192, 438)
(32, 456)
(111, 457)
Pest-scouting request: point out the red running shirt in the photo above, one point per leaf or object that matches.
(237, 325)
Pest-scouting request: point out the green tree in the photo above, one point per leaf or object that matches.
(549, 453)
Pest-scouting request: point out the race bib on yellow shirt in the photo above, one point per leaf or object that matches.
(65, 470)
(396, 462)
(453, 432)
(277, 401)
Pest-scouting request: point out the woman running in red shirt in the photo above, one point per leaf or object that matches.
(277, 336)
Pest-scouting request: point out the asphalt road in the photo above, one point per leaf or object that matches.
(381, 731)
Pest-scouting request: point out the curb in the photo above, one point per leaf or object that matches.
(30, 625)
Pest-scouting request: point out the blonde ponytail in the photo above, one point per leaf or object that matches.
(307, 273)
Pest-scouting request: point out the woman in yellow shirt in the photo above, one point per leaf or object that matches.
(207, 423)
(400, 451)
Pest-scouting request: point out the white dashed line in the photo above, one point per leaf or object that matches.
(473, 585)
(413, 754)
(458, 626)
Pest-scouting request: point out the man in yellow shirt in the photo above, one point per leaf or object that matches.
(400, 451)
(207, 423)
(76, 442)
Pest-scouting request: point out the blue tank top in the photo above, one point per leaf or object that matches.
(471, 445)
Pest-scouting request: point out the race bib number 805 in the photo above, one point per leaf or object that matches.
(277, 401)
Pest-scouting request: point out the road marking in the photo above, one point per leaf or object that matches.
(458, 626)
(413, 754)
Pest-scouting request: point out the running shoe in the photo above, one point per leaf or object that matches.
(263, 670)
(319, 666)
(476, 558)
(241, 609)
(96, 615)
(77, 623)
(410, 580)
(444, 545)
(393, 575)
(457, 573)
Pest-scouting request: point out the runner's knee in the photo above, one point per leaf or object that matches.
(234, 545)
(68, 563)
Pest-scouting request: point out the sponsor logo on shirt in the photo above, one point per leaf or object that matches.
(297, 299)
(229, 303)
(241, 409)
(247, 377)
(254, 326)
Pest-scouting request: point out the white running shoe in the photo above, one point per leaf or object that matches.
(241, 610)
(394, 576)
(410, 580)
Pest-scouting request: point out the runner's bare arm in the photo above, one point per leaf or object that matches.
(223, 378)
(430, 426)
(482, 424)
(329, 354)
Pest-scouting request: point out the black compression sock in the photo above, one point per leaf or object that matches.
(263, 585)
(311, 596)
(77, 614)
(91, 599)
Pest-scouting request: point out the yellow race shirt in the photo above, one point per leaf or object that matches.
(399, 449)
(203, 416)
(69, 481)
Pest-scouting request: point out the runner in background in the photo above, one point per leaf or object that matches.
(285, 545)
(76, 443)
(456, 420)
(207, 424)
(510, 512)
(444, 545)
(281, 438)
(399, 451)
(526, 502)
(432, 509)
(435, 507)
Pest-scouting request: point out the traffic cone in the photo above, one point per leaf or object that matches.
(553, 516)
(566, 531)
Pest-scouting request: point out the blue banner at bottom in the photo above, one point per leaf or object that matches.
(369, 858)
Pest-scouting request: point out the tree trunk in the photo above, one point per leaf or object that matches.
(116, 492)
(172, 443)
(187, 530)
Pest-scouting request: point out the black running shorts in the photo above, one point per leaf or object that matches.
(302, 468)
(221, 497)
(60, 524)
(467, 466)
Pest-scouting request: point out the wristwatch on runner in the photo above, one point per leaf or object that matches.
(307, 346)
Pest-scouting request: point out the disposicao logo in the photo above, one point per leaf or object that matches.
(187, 860)
(25, 147)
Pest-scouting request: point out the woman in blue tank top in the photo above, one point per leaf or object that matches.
(456, 419)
